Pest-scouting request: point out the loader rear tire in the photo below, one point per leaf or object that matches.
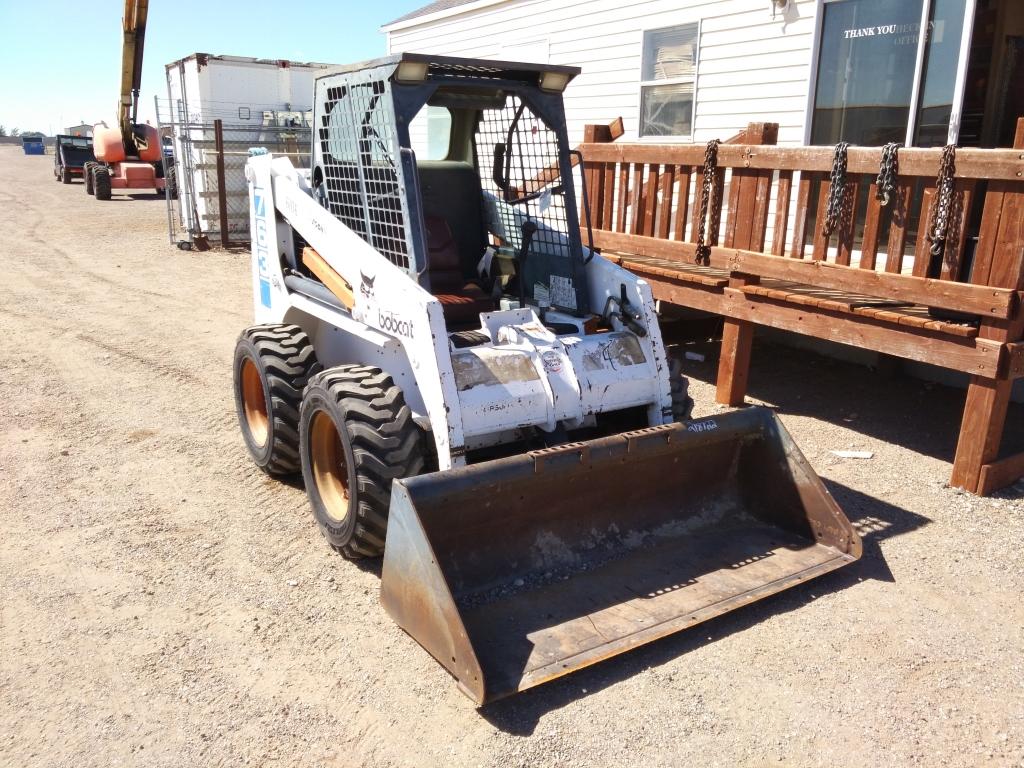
(272, 365)
(88, 178)
(356, 435)
(101, 182)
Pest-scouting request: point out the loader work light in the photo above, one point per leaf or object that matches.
(554, 81)
(411, 72)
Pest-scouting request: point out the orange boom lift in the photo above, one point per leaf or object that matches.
(130, 155)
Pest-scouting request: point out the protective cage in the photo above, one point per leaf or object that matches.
(520, 570)
(364, 169)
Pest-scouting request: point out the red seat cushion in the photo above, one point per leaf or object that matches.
(461, 300)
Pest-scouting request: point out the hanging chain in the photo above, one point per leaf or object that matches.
(938, 226)
(837, 189)
(888, 171)
(703, 253)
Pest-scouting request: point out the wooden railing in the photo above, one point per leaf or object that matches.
(649, 190)
(768, 235)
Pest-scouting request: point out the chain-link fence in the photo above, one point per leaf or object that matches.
(208, 201)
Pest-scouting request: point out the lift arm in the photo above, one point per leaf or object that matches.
(135, 13)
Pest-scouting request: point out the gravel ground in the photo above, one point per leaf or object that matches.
(165, 604)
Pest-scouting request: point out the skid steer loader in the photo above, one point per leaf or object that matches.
(473, 392)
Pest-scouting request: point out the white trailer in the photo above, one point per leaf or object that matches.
(249, 102)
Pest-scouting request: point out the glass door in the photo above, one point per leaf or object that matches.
(878, 81)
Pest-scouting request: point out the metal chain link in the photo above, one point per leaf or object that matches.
(888, 171)
(702, 255)
(837, 189)
(938, 225)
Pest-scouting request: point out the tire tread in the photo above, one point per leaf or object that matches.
(386, 442)
(289, 361)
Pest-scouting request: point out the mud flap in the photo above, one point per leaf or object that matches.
(517, 571)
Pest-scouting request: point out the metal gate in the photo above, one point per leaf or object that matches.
(204, 162)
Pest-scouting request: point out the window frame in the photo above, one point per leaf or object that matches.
(960, 82)
(682, 137)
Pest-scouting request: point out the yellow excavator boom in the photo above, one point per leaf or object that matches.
(134, 21)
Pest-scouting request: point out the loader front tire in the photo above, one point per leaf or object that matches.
(356, 435)
(272, 365)
(101, 182)
(88, 178)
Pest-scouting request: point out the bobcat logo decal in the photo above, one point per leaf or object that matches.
(366, 285)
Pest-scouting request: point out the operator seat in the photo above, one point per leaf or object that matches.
(462, 300)
(456, 239)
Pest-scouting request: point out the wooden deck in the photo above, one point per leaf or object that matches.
(872, 284)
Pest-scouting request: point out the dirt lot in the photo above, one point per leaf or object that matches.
(149, 616)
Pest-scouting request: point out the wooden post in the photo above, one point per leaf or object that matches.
(222, 192)
(745, 228)
(981, 430)
(592, 134)
(999, 262)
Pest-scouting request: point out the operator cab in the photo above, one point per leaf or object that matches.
(461, 164)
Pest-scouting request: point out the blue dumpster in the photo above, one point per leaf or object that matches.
(33, 145)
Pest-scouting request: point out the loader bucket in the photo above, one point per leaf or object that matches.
(517, 571)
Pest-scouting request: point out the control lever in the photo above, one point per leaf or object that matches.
(529, 229)
(628, 316)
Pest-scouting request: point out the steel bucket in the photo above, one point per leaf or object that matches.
(517, 571)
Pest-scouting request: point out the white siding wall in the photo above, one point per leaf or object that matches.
(752, 68)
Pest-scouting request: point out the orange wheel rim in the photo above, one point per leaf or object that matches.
(330, 472)
(254, 403)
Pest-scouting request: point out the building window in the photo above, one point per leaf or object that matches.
(667, 80)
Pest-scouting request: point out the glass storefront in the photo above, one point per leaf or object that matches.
(868, 73)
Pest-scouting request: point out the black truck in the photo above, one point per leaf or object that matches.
(69, 156)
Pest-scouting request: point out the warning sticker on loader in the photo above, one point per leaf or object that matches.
(562, 292)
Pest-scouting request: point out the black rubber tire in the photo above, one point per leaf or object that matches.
(171, 183)
(283, 359)
(65, 176)
(88, 178)
(380, 443)
(101, 182)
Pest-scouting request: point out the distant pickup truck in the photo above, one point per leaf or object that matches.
(70, 154)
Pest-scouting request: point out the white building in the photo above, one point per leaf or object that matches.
(85, 129)
(693, 70)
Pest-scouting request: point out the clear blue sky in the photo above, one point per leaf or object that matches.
(60, 61)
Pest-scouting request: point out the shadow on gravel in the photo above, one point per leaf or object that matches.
(1012, 492)
(367, 564)
(874, 519)
(882, 403)
(130, 198)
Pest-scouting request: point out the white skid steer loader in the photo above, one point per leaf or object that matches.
(473, 392)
